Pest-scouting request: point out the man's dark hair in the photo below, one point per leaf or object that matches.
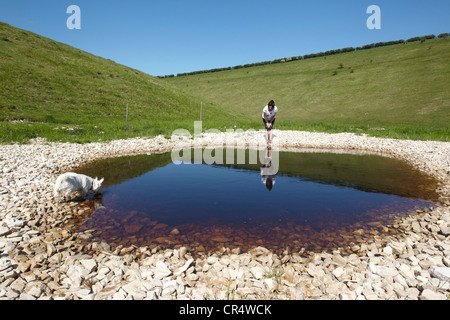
(269, 183)
(271, 103)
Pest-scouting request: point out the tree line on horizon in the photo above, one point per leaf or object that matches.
(313, 55)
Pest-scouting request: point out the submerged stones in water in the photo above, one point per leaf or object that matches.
(312, 201)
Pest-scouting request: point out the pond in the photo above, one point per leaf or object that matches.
(280, 200)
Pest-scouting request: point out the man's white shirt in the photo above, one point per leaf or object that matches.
(269, 114)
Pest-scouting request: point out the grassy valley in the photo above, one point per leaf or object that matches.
(52, 90)
(55, 91)
(398, 91)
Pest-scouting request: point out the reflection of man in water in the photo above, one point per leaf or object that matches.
(267, 172)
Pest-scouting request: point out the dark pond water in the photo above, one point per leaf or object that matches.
(310, 200)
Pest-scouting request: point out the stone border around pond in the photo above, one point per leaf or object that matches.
(41, 259)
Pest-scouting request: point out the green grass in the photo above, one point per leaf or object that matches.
(398, 91)
(52, 90)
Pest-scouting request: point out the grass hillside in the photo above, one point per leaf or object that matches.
(399, 91)
(52, 90)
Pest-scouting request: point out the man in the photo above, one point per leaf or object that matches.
(269, 114)
(267, 172)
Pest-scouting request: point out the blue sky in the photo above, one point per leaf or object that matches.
(163, 37)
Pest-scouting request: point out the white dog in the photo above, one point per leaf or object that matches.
(70, 183)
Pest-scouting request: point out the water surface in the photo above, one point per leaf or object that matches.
(315, 201)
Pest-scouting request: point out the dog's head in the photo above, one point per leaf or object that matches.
(97, 184)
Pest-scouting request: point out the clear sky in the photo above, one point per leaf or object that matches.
(162, 37)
